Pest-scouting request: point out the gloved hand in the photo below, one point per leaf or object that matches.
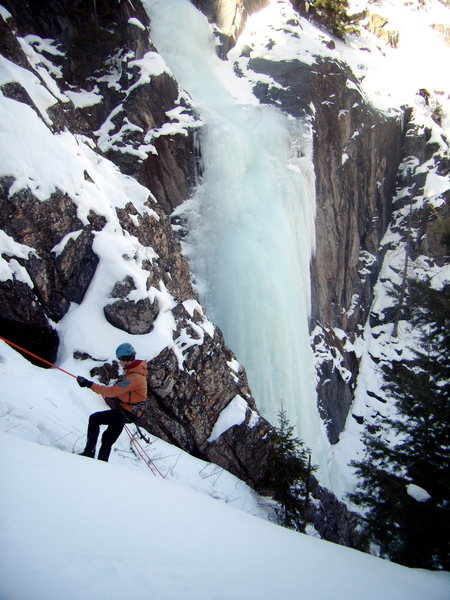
(82, 382)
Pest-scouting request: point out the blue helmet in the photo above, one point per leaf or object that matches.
(125, 350)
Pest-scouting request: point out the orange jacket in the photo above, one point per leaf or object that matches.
(130, 390)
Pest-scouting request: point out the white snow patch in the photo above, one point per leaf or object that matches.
(234, 365)
(83, 98)
(435, 186)
(72, 236)
(41, 97)
(136, 22)
(5, 14)
(102, 531)
(233, 414)
(33, 46)
(12, 269)
(417, 492)
(150, 65)
(192, 306)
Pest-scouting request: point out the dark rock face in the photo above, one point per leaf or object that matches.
(195, 396)
(353, 209)
(102, 50)
(58, 279)
(357, 151)
(331, 518)
(337, 372)
(136, 318)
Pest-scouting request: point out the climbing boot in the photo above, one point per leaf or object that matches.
(89, 453)
(89, 450)
(104, 452)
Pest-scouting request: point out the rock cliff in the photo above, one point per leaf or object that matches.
(91, 74)
(359, 158)
(357, 151)
(229, 16)
(103, 54)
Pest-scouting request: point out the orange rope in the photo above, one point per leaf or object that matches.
(36, 356)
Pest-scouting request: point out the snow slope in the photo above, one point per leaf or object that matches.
(73, 528)
(46, 406)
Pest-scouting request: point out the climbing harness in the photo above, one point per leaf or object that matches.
(138, 407)
(134, 442)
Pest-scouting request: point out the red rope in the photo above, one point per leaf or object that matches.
(142, 454)
(140, 451)
(36, 356)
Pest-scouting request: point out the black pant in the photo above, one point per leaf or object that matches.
(115, 419)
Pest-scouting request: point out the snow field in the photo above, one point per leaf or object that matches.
(76, 528)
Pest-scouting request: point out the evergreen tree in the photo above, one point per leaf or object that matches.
(413, 530)
(334, 14)
(290, 467)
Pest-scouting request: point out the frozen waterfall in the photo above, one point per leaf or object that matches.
(251, 222)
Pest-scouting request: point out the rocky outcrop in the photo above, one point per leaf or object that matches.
(422, 216)
(379, 25)
(103, 82)
(229, 15)
(354, 187)
(104, 50)
(357, 151)
(184, 403)
(332, 519)
(49, 283)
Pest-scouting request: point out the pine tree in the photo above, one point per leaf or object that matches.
(290, 466)
(334, 13)
(409, 531)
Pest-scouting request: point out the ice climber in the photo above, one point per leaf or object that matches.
(128, 393)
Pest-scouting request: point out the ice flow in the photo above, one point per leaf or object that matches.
(250, 222)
